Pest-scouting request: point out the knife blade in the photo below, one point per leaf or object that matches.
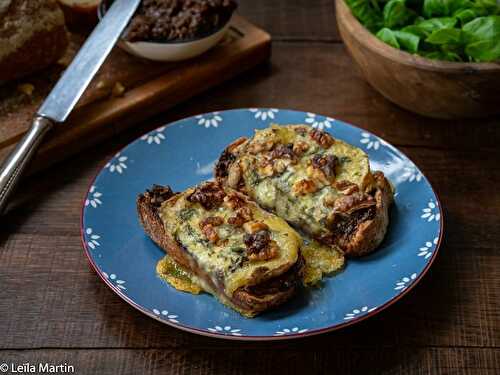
(66, 93)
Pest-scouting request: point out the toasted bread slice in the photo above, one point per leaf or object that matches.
(248, 258)
(320, 185)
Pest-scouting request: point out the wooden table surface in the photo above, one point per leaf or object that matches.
(53, 307)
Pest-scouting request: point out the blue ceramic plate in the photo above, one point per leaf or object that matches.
(183, 154)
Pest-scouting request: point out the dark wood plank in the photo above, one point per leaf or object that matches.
(393, 360)
(294, 19)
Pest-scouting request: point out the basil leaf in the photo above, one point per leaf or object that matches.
(407, 41)
(445, 36)
(484, 50)
(387, 35)
(397, 14)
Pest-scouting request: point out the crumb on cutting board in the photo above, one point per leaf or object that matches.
(26, 88)
(118, 90)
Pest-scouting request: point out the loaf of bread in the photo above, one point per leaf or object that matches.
(32, 36)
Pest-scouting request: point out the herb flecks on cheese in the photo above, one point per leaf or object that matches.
(300, 173)
(229, 236)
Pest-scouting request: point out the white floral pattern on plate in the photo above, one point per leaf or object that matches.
(117, 164)
(120, 284)
(94, 197)
(164, 314)
(92, 238)
(209, 119)
(427, 250)
(407, 258)
(357, 312)
(227, 330)
(264, 113)
(290, 331)
(319, 122)
(411, 173)
(370, 141)
(156, 136)
(431, 212)
(405, 282)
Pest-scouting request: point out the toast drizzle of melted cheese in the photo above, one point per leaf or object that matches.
(226, 260)
(168, 270)
(320, 261)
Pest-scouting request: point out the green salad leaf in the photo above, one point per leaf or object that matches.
(387, 35)
(482, 29)
(436, 8)
(482, 36)
(365, 11)
(438, 23)
(445, 36)
(408, 41)
(466, 15)
(443, 55)
(397, 14)
(484, 50)
(399, 39)
(451, 30)
(416, 30)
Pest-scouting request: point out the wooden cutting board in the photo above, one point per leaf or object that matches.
(150, 88)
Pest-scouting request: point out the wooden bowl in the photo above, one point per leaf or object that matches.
(439, 89)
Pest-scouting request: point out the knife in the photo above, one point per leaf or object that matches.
(65, 94)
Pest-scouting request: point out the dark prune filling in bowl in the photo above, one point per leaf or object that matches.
(175, 21)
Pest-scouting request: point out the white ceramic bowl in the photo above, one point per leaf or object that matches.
(169, 51)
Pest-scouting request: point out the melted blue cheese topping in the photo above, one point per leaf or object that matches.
(226, 259)
(295, 190)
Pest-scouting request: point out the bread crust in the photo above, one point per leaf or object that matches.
(259, 295)
(39, 47)
(368, 233)
(367, 227)
(80, 16)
